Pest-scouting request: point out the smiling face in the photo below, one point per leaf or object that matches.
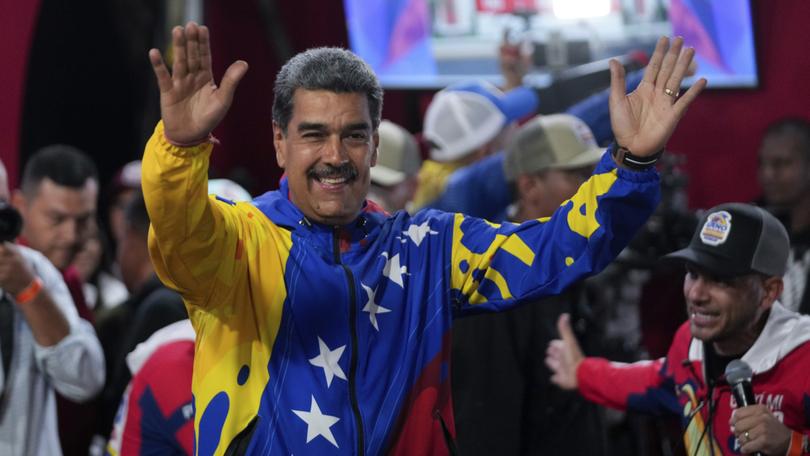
(326, 153)
(728, 312)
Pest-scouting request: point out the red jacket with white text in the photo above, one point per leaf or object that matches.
(677, 384)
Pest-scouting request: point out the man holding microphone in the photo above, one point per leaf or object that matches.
(734, 266)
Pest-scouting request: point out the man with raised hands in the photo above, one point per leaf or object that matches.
(734, 267)
(322, 323)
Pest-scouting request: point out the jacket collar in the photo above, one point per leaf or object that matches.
(784, 331)
(278, 207)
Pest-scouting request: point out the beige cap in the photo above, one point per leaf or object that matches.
(397, 156)
(557, 141)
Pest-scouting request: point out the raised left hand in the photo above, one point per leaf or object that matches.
(644, 120)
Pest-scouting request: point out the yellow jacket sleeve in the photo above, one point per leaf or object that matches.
(195, 241)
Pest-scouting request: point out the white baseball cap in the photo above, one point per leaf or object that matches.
(459, 122)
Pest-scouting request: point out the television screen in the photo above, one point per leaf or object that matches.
(434, 43)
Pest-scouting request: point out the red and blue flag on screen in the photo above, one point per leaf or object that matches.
(393, 36)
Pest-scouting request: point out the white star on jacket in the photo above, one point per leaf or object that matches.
(318, 423)
(418, 233)
(393, 270)
(328, 360)
(372, 308)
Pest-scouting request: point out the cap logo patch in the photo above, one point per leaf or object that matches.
(716, 229)
(584, 134)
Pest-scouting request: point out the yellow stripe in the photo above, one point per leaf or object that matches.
(496, 277)
(515, 246)
(464, 281)
(586, 224)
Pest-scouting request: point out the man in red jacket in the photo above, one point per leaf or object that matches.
(734, 265)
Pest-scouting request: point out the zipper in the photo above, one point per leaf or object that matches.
(358, 419)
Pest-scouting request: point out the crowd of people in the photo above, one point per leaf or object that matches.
(439, 293)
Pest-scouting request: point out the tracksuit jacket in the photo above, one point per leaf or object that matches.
(316, 339)
(155, 416)
(677, 384)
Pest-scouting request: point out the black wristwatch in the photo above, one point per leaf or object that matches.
(624, 156)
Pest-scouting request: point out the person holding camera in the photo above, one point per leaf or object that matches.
(45, 346)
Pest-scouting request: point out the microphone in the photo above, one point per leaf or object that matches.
(738, 376)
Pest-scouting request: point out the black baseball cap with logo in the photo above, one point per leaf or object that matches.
(735, 239)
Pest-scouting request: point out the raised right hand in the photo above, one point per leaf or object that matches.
(514, 60)
(563, 356)
(191, 104)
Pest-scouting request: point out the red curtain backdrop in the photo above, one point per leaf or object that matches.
(16, 29)
(721, 132)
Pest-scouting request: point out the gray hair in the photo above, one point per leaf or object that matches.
(326, 68)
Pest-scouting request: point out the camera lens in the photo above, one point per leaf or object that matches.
(10, 222)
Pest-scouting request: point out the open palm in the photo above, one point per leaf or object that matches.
(191, 104)
(644, 120)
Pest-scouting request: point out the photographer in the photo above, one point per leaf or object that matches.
(44, 345)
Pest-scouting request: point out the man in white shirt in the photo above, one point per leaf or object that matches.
(45, 346)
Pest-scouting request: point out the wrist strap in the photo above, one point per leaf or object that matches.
(624, 156)
(30, 292)
(798, 444)
(208, 139)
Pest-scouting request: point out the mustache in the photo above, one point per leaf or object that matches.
(345, 170)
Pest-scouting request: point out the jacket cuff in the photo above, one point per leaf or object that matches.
(182, 150)
(607, 164)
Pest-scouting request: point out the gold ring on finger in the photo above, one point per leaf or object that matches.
(671, 92)
(747, 436)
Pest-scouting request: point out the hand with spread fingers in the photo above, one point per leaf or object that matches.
(515, 60)
(644, 120)
(191, 104)
(563, 356)
(758, 430)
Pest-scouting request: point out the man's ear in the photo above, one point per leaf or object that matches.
(524, 183)
(773, 287)
(376, 143)
(279, 144)
(19, 202)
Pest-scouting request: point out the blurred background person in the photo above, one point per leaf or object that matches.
(483, 190)
(784, 174)
(155, 412)
(45, 347)
(464, 124)
(469, 121)
(57, 199)
(150, 307)
(124, 186)
(101, 289)
(394, 177)
(503, 400)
